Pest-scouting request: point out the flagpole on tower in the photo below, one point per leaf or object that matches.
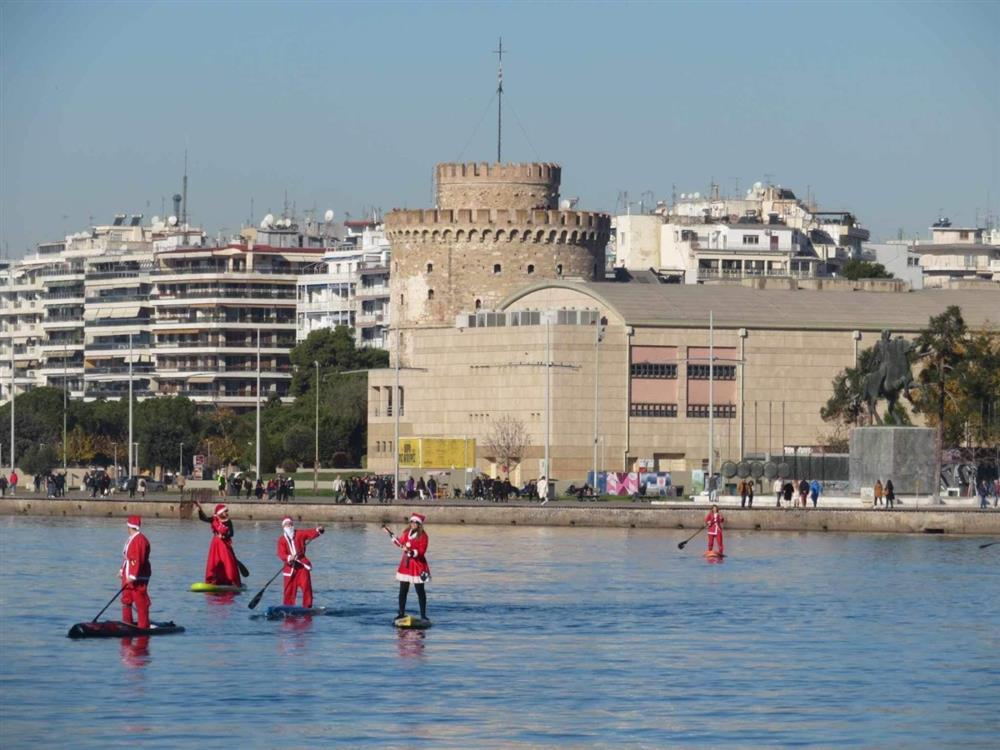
(499, 53)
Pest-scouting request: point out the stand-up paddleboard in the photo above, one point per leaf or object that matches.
(411, 622)
(284, 611)
(714, 555)
(118, 629)
(216, 588)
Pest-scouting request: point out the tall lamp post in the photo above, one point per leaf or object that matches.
(599, 324)
(13, 392)
(316, 456)
(257, 458)
(180, 463)
(65, 394)
(130, 463)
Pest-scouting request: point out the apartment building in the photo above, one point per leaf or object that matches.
(354, 290)
(958, 254)
(217, 309)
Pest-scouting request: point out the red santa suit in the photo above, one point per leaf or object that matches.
(292, 547)
(135, 573)
(221, 567)
(714, 521)
(413, 568)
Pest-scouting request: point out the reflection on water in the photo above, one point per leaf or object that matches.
(543, 637)
(135, 651)
(410, 643)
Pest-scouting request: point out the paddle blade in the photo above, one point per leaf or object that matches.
(244, 570)
(680, 545)
(256, 599)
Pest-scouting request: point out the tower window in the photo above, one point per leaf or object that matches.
(531, 268)
(430, 294)
(430, 268)
(479, 303)
(401, 299)
(496, 268)
(559, 267)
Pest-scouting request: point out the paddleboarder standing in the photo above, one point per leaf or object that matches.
(714, 522)
(221, 567)
(135, 573)
(413, 567)
(292, 549)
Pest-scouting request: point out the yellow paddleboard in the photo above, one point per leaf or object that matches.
(411, 621)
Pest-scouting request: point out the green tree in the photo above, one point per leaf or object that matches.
(861, 269)
(847, 404)
(161, 425)
(38, 418)
(335, 351)
(298, 443)
(39, 459)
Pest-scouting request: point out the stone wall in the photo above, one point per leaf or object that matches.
(483, 185)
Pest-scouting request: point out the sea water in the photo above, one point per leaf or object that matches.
(542, 637)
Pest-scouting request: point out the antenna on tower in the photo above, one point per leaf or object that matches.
(184, 191)
(499, 54)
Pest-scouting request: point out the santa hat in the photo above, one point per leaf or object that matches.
(287, 521)
(418, 518)
(134, 522)
(221, 507)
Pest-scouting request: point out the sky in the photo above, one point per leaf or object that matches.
(889, 110)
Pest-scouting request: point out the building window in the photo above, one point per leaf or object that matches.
(751, 239)
(430, 268)
(963, 235)
(496, 268)
(430, 294)
(719, 372)
(479, 304)
(559, 269)
(531, 268)
(653, 410)
(700, 411)
(657, 370)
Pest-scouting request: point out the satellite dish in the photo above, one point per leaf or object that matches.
(263, 223)
(268, 221)
(564, 205)
(155, 220)
(696, 195)
(172, 221)
(288, 223)
(684, 196)
(328, 216)
(758, 185)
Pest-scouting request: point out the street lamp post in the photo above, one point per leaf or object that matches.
(257, 458)
(65, 395)
(395, 413)
(598, 335)
(114, 447)
(180, 464)
(130, 463)
(316, 455)
(13, 392)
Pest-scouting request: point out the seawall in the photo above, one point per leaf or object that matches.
(679, 516)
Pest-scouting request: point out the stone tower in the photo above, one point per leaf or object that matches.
(496, 228)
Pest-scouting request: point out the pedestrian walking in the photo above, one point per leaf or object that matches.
(777, 489)
(877, 493)
(890, 495)
(741, 487)
(815, 488)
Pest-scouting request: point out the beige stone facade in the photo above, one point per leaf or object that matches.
(496, 228)
(776, 355)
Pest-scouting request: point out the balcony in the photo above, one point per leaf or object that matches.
(112, 322)
(369, 319)
(166, 298)
(55, 347)
(51, 323)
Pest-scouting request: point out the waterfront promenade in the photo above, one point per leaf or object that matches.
(834, 514)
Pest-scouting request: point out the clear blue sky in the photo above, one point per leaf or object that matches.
(890, 110)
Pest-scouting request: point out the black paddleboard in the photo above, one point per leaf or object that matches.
(118, 629)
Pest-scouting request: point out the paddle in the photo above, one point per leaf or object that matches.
(988, 544)
(389, 532)
(681, 545)
(111, 602)
(257, 597)
(244, 570)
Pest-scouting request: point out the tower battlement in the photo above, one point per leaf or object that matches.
(486, 185)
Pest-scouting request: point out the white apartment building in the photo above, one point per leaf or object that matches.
(899, 258)
(216, 309)
(353, 292)
(957, 254)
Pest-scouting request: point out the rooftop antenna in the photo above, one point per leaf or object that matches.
(184, 191)
(499, 54)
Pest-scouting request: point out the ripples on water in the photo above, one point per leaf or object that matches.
(543, 637)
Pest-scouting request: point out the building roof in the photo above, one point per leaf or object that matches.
(957, 248)
(688, 306)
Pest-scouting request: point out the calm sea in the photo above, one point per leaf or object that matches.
(542, 637)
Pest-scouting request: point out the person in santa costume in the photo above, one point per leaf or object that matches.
(714, 521)
(135, 573)
(292, 549)
(413, 568)
(221, 567)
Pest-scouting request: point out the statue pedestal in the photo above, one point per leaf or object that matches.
(903, 454)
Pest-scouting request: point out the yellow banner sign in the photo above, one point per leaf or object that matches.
(436, 453)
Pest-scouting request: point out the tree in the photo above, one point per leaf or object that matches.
(847, 404)
(506, 441)
(39, 459)
(335, 351)
(861, 269)
(299, 443)
(943, 346)
(38, 418)
(161, 425)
